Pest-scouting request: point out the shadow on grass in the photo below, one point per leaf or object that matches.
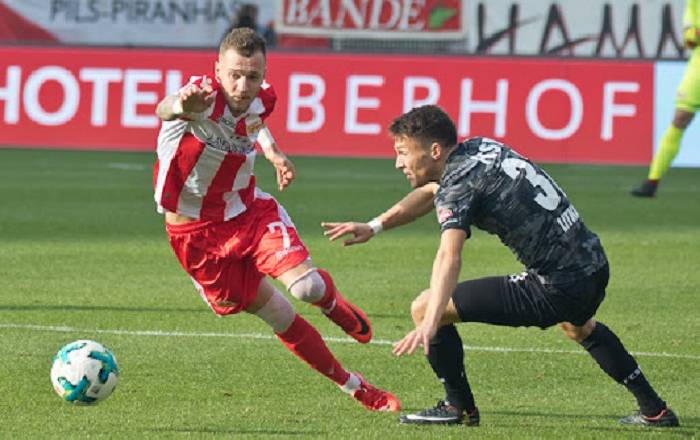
(689, 425)
(88, 308)
(688, 428)
(404, 315)
(252, 432)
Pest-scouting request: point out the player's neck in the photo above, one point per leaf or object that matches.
(236, 113)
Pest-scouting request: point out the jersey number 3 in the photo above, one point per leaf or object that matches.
(549, 197)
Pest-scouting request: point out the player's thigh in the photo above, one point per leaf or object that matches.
(277, 246)
(264, 293)
(420, 305)
(578, 301)
(228, 283)
(688, 93)
(296, 272)
(514, 300)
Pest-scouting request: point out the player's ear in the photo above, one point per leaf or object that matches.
(217, 68)
(436, 151)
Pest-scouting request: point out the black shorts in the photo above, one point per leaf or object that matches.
(523, 300)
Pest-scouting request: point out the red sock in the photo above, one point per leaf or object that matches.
(327, 301)
(302, 339)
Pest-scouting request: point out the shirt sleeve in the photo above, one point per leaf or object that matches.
(455, 206)
(269, 98)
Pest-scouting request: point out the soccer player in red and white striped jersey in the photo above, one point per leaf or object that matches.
(226, 232)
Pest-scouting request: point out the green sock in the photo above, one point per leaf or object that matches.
(668, 148)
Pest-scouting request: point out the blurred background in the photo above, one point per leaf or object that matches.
(565, 82)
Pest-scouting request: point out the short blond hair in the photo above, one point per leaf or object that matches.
(244, 41)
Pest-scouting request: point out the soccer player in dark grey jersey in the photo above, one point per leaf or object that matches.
(483, 183)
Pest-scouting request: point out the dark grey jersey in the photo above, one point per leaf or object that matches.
(490, 186)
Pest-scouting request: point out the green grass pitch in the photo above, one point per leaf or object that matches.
(83, 254)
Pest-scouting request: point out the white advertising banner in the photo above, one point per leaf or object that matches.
(389, 19)
(648, 29)
(178, 23)
(591, 28)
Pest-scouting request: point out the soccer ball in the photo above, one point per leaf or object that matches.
(84, 372)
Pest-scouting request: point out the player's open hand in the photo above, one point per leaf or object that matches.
(285, 171)
(197, 98)
(361, 232)
(421, 335)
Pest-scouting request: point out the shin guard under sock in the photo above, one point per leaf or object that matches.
(302, 339)
(328, 300)
(446, 357)
(612, 357)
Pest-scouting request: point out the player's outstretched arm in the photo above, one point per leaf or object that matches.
(416, 204)
(443, 282)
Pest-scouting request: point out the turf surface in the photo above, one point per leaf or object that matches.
(84, 255)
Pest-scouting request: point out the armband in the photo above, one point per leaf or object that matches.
(376, 225)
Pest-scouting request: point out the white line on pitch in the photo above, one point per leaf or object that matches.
(64, 329)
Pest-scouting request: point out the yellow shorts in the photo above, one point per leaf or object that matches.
(688, 93)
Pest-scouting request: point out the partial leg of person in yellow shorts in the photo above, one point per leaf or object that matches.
(687, 103)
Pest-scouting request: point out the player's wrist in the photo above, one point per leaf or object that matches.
(177, 108)
(375, 225)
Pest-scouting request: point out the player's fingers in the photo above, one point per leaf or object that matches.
(289, 175)
(330, 225)
(398, 348)
(280, 180)
(403, 345)
(413, 344)
(206, 86)
(337, 234)
(336, 230)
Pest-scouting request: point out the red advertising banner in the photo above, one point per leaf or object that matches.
(338, 105)
(406, 19)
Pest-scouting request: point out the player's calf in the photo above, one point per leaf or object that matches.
(316, 287)
(342, 312)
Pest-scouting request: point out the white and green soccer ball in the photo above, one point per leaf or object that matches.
(84, 372)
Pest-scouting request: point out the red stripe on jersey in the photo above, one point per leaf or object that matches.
(247, 194)
(213, 203)
(268, 98)
(219, 106)
(185, 159)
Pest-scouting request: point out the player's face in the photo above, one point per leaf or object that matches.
(240, 78)
(415, 161)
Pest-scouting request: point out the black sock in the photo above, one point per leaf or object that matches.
(446, 356)
(613, 358)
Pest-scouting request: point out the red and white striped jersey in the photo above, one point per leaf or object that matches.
(205, 164)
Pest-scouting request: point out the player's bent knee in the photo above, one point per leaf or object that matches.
(309, 287)
(682, 118)
(577, 333)
(278, 313)
(418, 307)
